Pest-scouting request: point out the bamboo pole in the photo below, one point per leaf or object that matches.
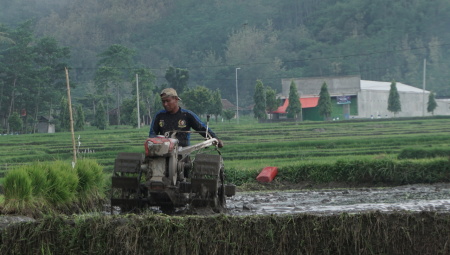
(69, 100)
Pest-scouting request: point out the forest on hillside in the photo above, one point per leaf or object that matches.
(268, 40)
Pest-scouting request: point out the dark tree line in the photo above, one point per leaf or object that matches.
(269, 40)
(382, 40)
(32, 77)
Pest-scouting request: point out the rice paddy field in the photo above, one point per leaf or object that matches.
(408, 219)
(249, 145)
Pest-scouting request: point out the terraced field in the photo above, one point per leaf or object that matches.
(410, 218)
(250, 145)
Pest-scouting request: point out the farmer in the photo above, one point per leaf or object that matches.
(174, 118)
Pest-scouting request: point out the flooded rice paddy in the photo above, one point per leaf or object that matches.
(417, 197)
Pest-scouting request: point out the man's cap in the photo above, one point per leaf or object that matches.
(169, 92)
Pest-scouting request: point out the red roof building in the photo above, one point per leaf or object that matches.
(308, 102)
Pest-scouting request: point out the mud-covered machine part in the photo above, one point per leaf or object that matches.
(157, 178)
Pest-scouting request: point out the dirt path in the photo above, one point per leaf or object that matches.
(418, 197)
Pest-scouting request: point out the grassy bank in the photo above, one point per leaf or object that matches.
(365, 233)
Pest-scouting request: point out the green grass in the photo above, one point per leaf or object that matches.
(394, 151)
(249, 145)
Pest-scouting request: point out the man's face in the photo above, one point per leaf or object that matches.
(170, 104)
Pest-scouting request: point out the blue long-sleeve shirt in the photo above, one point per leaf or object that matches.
(182, 120)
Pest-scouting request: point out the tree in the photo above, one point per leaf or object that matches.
(431, 103)
(343, 28)
(394, 99)
(89, 101)
(147, 90)
(129, 111)
(295, 107)
(177, 78)
(229, 114)
(80, 121)
(64, 115)
(324, 102)
(31, 72)
(216, 106)
(49, 59)
(157, 105)
(15, 122)
(5, 39)
(16, 71)
(134, 121)
(198, 100)
(271, 100)
(100, 117)
(259, 99)
(114, 66)
(104, 78)
(251, 44)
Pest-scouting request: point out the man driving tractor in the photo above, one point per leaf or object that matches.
(175, 118)
(166, 165)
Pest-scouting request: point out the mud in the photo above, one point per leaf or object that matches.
(417, 197)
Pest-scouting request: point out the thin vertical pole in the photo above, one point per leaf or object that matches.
(137, 100)
(423, 89)
(237, 98)
(71, 119)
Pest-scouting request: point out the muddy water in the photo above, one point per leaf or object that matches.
(418, 197)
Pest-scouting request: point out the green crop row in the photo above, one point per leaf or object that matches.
(250, 145)
(417, 153)
(369, 171)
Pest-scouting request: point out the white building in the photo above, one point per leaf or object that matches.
(371, 97)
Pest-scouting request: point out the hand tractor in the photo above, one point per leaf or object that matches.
(157, 178)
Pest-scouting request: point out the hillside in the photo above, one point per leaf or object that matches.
(268, 40)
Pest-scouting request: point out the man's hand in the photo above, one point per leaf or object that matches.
(219, 143)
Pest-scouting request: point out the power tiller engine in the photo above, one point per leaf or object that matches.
(167, 177)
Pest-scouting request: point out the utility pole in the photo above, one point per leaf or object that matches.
(237, 98)
(423, 86)
(137, 100)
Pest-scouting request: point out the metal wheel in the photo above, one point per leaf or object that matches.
(126, 192)
(221, 203)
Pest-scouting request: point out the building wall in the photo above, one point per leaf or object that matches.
(347, 85)
(367, 101)
(372, 103)
(337, 110)
(45, 127)
(443, 107)
(311, 114)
